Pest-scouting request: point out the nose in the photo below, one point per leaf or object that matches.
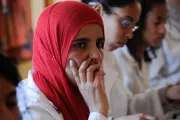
(129, 33)
(162, 29)
(96, 54)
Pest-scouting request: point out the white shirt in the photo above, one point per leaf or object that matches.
(39, 107)
(135, 79)
(32, 102)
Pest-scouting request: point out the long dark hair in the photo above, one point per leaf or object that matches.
(137, 38)
(8, 70)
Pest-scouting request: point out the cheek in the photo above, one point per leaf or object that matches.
(120, 34)
(9, 114)
(78, 57)
(15, 113)
(111, 28)
(151, 29)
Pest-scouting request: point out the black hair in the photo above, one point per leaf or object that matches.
(107, 4)
(149, 54)
(8, 70)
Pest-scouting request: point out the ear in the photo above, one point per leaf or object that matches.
(99, 8)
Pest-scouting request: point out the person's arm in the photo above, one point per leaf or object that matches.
(163, 81)
(147, 103)
(156, 102)
(169, 97)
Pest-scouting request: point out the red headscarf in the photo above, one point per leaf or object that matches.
(57, 26)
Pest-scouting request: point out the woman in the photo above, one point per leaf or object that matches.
(9, 78)
(146, 39)
(119, 19)
(165, 69)
(66, 79)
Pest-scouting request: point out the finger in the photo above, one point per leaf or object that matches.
(74, 70)
(82, 70)
(90, 73)
(98, 80)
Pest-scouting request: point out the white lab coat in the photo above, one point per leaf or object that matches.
(165, 69)
(33, 103)
(135, 79)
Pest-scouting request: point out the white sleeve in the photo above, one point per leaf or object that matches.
(147, 103)
(96, 116)
(35, 113)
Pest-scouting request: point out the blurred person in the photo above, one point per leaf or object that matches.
(134, 57)
(165, 69)
(9, 79)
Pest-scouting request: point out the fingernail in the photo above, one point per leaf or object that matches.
(70, 62)
(89, 59)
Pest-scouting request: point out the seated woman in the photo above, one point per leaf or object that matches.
(66, 79)
(9, 79)
(165, 69)
(135, 57)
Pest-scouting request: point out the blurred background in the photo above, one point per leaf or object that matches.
(17, 22)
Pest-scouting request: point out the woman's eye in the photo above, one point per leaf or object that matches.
(127, 24)
(11, 104)
(80, 45)
(100, 44)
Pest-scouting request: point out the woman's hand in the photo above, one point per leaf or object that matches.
(89, 80)
(173, 93)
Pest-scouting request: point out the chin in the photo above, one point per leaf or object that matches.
(156, 45)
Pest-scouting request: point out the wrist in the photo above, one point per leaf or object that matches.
(104, 112)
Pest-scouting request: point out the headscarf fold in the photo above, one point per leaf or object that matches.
(57, 27)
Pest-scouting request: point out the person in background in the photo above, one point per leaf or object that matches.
(9, 79)
(120, 18)
(165, 69)
(134, 57)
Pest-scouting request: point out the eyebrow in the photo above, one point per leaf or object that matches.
(81, 40)
(101, 39)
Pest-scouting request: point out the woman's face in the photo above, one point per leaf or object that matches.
(8, 103)
(155, 25)
(88, 43)
(119, 25)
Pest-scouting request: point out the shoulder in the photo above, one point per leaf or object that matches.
(33, 104)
